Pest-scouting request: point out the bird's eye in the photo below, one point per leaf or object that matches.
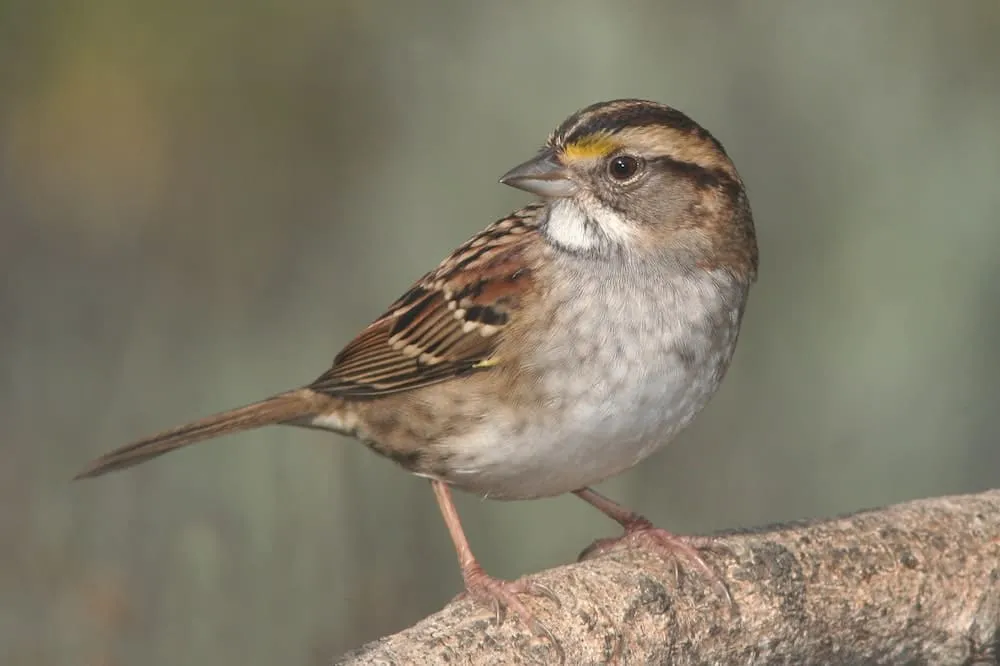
(623, 167)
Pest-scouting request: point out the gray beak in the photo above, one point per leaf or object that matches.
(542, 175)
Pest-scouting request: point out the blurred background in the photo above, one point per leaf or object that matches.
(201, 202)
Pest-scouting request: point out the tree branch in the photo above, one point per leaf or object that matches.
(915, 583)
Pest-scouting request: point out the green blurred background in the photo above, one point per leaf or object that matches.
(201, 202)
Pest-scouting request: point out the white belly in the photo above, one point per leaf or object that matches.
(630, 377)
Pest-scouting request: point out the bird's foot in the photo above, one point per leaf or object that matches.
(504, 595)
(641, 534)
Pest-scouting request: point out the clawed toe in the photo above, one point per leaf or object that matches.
(641, 533)
(538, 590)
(504, 595)
(667, 545)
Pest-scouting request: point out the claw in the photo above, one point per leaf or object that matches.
(498, 612)
(503, 595)
(668, 546)
(544, 591)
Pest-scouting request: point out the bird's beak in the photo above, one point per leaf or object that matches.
(542, 175)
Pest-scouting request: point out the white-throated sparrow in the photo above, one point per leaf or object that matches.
(559, 346)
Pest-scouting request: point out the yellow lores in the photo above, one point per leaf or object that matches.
(593, 146)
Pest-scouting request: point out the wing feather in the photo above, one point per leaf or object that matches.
(448, 324)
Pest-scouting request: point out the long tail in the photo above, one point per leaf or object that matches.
(281, 408)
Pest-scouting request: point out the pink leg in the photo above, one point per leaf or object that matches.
(501, 594)
(640, 532)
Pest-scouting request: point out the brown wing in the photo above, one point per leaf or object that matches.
(448, 324)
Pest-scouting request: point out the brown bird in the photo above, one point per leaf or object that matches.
(558, 347)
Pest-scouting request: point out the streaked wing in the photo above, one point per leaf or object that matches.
(448, 324)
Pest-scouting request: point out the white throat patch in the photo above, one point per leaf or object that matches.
(574, 227)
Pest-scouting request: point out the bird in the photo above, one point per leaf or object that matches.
(558, 347)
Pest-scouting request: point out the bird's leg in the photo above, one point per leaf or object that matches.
(500, 594)
(640, 532)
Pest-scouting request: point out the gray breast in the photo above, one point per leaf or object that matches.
(626, 361)
(635, 355)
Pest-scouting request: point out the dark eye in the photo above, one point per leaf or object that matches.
(623, 167)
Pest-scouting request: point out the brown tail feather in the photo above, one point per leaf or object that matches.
(277, 409)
